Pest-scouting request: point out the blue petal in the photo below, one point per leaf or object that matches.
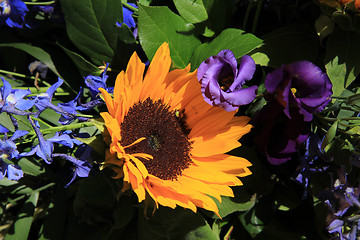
(18, 134)
(63, 139)
(53, 88)
(14, 172)
(3, 129)
(5, 90)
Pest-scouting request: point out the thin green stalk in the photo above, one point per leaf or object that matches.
(56, 94)
(257, 15)
(40, 3)
(24, 76)
(134, 9)
(64, 128)
(40, 90)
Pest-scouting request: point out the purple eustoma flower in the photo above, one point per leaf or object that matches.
(12, 13)
(302, 85)
(222, 80)
(279, 137)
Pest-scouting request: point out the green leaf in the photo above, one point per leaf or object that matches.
(158, 25)
(29, 167)
(252, 224)
(242, 201)
(91, 26)
(176, 223)
(342, 63)
(6, 121)
(36, 52)
(192, 11)
(239, 42)
(24, 219)
(289, 44)
(330, 134)
(85, 67)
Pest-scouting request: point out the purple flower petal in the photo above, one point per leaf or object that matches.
(301, 85)
(221, 80)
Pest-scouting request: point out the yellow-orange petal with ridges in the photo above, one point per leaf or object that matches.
(243, 172)
(216, 119)
(118, 89)
(203, 201)
(223, 189)
(138, 188)
(157, 71)
(142, 169)
(163, 195)
(135, 171)
(210, 176)
(178, 77)
(197, 184)
(108, 101)
(134, 71)
(209, 147)
(222, 162)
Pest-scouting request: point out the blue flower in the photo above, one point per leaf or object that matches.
(12, 13)
(8, 150)
(72, 107)
(43, 100)
(128, 18)
(12, 100)
(80, 161)
(45, 148)
(95, 82)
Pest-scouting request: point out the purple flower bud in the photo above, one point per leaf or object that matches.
(302, 85)
(221, 80)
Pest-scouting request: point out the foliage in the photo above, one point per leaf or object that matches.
(313, 194)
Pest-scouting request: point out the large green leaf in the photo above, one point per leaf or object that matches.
(192, 11)
(158, 25)
(24, 220)
(36, 52)
(91, 26)
(85, 67)
(175, 223)
(342, 59)
(239, 42)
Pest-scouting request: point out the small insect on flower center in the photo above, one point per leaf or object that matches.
(166, 138)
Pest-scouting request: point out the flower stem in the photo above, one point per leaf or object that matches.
(64, 128)
(134, 9)
(40, 3)
(24, 76)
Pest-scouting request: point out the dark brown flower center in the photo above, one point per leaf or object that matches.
(166, 138)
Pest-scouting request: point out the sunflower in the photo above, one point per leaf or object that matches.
(166, 142)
